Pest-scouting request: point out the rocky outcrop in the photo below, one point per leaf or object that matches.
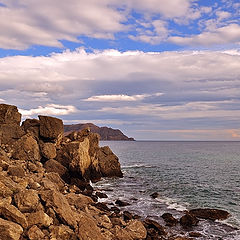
(105, 133)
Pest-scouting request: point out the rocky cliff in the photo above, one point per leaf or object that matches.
(105, 133)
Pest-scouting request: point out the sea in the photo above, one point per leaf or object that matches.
(186, 175)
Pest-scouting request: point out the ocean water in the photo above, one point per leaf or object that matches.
(185, 174)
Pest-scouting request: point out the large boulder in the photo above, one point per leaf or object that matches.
(9, 230)
(108, 163)
(9, 133)
(48, 150)
(9, 114)
(31, 126)
(211, 214)
(51, 128)
(26, 148)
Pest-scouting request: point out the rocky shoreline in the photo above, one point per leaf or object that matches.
(45, 190)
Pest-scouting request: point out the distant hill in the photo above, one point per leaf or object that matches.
(106, 133)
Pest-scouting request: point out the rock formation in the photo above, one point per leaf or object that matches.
(105, 133)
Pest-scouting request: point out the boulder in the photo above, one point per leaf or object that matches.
(188, 220)
(11, 213)
(79, 201)
(32, 126)
(9, 230)
(16, 171)
(121, 233)
(62, 232)
(51, 128)
(136, 229)
(9, 114)
(5, 191)
(154, 195)
(169, 219)
(108, 163)
(151, 224)
(54, 166)
(27, 200)
(39, 218)
(48, 150)
(26, 148)
(9, 133)
(211, 214)
(34, 233)
(121, 203)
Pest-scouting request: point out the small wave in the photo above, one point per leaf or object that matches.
(138, 166)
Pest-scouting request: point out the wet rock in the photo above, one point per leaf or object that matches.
(169, 219)
(127, 216)
(151, 224)
(115, 209)
(62, 232)
(26, 200)
(211, 214)
(9, 230)
(188, 220)
(34, 233)
(9, 114)
(39, 218)
(121, 203)
(102, 206)
(51, 128)
(108, 163)
(26, 148)
(154, 195)
(48, 150)
(195, 234)
(101, 195)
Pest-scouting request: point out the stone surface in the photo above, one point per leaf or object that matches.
(54, 166)
(9, 133)
(62, 232)
(51, 128)
(136, 229)
(80, 201)
(108, 163)
(34, 233)
(169, 219)
(31, 126)
(26, 148)
(48, 150)
(149, 223)
(26, 200)
(211, 214)
(9, 230)
(16, 171)
(39, 218)
(9, 114)
(188, 220)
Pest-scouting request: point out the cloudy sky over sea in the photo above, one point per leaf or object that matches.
(156, 69)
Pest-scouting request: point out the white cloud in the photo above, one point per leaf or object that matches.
(119, 98)
(49, 109)
(223, 35)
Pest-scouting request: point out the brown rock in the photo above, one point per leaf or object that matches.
(34, 233)
(136, 229)
(27, 200)
(5, 191)
(188, 220)
(102, 206)
(48, 150)
(121, 233)
(26, 148)
(32, 126)
(9, 230)
(51, 128)
(149, 223)
(101, 195)
(11, 213)
(16, 171)
(154, 195)
(127, 216)
(60, 205)
(9, 114)
(195, 234)
(169, 219)
(54, 166)
(121, 203)
(108, 163)
(211, 214)
(80, 201)
(56, 179)
(87, 228)
(62, 232)
(39, 218)
(9, 133)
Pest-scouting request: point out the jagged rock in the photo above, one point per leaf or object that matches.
(169, 219)
(211, 214)
(11, 213)
(62, 232)
(121, 203)
(195, 234)
(56, 179)
(34, 233)
(127, 216)
(149, 223)
(54, 166)
(188, 220)
(16, 171)
(121, 233)
(48, 150)
(101, 195)
(9, 230)
(32, 126)
(26, 148)
(9, 133)
(108, 163)
(51, 128)
(39, 218)
(60, 205)
(9, 114)
(80, 201)
(5, 191)
(136, 229)
(87, 228)
(154, 195)
(27, 200)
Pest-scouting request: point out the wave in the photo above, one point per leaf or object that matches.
(138, 166)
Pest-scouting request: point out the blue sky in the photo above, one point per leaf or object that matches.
(156, 69)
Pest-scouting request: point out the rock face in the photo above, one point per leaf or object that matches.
(9, 114)
(104, 132)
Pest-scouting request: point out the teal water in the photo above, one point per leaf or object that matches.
(185, 174)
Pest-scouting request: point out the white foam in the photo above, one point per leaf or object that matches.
(172, 203)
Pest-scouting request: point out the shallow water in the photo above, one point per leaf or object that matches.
(185, 174)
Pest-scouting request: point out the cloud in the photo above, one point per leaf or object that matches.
(223, 35)
(122, 97)
(49, 109)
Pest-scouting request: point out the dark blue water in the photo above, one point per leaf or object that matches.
(185, 174)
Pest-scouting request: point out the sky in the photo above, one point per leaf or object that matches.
(156, 69)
